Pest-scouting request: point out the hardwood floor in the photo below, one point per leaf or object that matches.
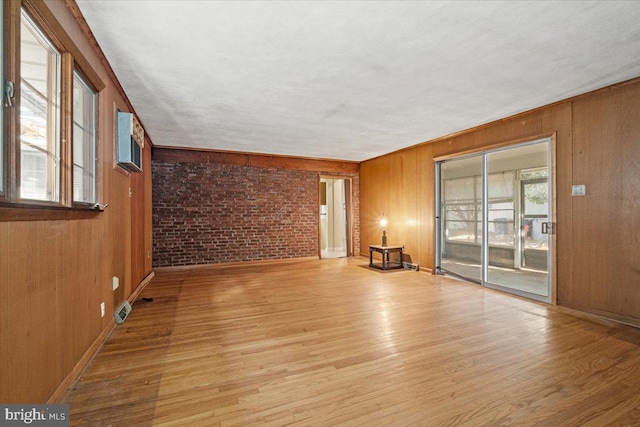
(332, 342)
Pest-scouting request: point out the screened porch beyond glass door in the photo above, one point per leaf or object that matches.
(517, 206)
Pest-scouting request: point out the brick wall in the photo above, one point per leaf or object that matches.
(207, 213)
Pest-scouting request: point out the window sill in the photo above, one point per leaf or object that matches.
(26, 212)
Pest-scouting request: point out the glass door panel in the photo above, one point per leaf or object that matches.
(516, 212)
(461, 218)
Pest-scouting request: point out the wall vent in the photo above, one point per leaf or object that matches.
(122, 312)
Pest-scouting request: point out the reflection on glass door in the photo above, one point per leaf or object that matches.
(493, 213)
(535, 213)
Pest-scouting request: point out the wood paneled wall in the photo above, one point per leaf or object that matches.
(598, 235)
(57, 267)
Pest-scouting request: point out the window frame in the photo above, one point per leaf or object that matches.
(87, 85)
(72, 60)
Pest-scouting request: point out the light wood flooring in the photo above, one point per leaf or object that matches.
(332, 342)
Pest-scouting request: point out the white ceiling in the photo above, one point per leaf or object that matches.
(353, 80)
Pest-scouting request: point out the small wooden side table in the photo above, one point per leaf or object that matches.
(387, 262)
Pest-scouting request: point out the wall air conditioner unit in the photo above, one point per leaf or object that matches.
(122, 312)
(129, 141)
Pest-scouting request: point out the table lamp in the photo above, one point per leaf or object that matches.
(383, 223)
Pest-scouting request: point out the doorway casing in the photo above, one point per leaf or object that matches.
(336, 218)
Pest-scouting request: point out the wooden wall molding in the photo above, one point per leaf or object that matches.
(134, 295)
(182, 268)
(188, 155)
(58, 396)
(590, 313)
(25, 212)
(65, 386)
(492, 146)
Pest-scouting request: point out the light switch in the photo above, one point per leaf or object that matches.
(578, 190)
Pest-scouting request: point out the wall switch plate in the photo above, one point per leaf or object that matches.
(578, 190)
(115, 282)
(102, 309)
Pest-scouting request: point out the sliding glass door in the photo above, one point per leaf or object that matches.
(493, 216)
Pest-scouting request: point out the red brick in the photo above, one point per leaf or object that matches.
(211, 213)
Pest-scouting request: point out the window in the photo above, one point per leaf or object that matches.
(84, 141)
(39, 115)
(48, 157)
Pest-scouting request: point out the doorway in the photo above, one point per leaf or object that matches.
(335, 217)
(494, 212)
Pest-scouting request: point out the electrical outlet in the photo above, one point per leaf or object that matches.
(102, 309)
(115, 282)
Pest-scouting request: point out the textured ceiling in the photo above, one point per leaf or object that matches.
(353, 80)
